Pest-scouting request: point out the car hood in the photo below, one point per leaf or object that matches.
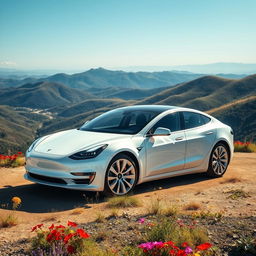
(71, 141)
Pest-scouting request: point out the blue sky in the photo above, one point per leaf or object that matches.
(80, 34)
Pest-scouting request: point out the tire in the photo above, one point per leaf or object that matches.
(121, 176)
(219, 160)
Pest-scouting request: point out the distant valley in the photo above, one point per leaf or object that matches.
(73, 99)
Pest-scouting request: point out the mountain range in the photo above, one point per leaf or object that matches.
(41, 95)
(101, 78)
(233, 101)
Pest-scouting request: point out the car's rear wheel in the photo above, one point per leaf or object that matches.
(219, 160)
(121, 176)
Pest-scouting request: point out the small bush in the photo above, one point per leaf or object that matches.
(244, 147)
(123, 202)
(77, 211)
(208, 215)
(170, 210)
(192, 206)
(236, 194)
(100, 217)
(61, 239)
(91, 248)
(155, 207)
(8, 221)
(176, 231)
(114, 213)
(14, 160)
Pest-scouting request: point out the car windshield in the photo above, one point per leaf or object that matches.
(123, 121)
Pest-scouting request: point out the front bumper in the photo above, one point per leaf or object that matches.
(73, 186)
(59, 171)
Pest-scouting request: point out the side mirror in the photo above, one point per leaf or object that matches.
(83, 124)
(160, 131)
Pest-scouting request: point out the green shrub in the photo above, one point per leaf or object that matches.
(123, 202)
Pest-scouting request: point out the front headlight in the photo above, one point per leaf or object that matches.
(89, 153)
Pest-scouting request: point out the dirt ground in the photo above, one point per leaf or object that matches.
(42, 204)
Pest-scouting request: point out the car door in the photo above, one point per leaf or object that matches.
(200, 136)
(166, 153)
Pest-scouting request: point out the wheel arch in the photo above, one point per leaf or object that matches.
(226, 144)
(133, 157)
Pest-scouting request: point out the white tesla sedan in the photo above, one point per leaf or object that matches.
(131, 145)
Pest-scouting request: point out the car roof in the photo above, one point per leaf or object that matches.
(159, 108)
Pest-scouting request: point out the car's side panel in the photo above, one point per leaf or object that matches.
(165, 153)
(200, 141)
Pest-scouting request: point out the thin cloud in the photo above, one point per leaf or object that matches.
(8, 63)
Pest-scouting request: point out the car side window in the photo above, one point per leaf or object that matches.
(171, 121)
(193, 120)
(206, 119)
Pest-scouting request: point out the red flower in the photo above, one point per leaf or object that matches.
(82, 233)
(36, 227)
(72, 224)
(203, 247)
(60, 226)
(49, 237)
(51, 227)
(181, 253)
(67, 237)
(71, 249)
(20, 153)
(185, 244)
(169, 243)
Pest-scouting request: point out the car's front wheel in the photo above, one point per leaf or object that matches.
(219, 160)
(121, 175)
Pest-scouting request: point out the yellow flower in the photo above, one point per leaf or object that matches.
(196, 254)
(16, 200)
(71, 231)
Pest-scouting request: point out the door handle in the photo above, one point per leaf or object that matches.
(179, 138)
(208, 133)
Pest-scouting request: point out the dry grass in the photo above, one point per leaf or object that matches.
(8, 221)
(193, 206)
(208, 215)
(114, 213)
(236, 194)
(50, 219)
(123, 202)
(169, 230)
(170, 210)
(160, 207)
(155, 207)
(100, 217)
(231, 180)
(77, 211)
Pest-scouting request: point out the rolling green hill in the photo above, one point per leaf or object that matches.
(17, 128)
(241, 116)
(205, 93)
(42, 95)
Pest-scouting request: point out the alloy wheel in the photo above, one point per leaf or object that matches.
(121, 176)
(219, 160)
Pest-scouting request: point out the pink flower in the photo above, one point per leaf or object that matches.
(141, 220)
(188, 250)
(151, 245)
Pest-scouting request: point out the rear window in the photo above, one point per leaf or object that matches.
(193, 120)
